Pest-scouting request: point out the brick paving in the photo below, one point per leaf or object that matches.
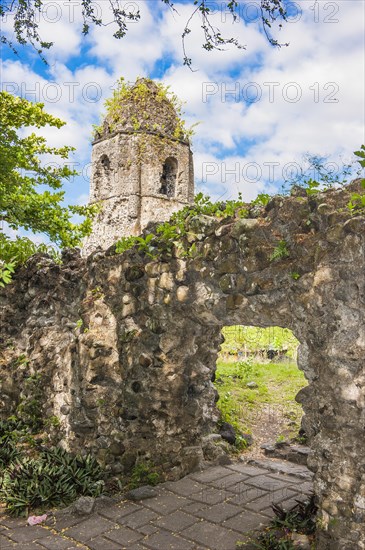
(208, 510)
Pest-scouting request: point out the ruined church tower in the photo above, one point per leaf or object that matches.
(142, 165)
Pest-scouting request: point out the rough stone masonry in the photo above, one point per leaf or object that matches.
(125, 346)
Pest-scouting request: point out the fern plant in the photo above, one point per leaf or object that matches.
(280, 251)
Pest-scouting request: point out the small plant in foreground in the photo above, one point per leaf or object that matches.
(301, 518)
(280, 251)
(143, 474)
(33, 477)
(52, 478)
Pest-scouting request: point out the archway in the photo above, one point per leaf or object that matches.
(257, 379)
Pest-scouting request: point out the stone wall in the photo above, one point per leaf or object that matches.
(125, 346)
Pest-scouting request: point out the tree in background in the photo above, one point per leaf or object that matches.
(26, 14)
(30, 189)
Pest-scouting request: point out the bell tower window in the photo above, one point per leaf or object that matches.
(105, 162)
(168, 178)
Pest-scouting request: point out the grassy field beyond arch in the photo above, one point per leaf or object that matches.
(257, 379)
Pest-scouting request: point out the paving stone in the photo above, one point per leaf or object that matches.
(142, 493)
(13, 523)
(305, 488)
(246, 522)
(167, 541)
(90, 528)
(248, 492)
(25, 546)
(166, 503)
(27, 534)
(65, 521)
(139, 518)
(193, 508)
(105, 501)
(247, 469)
(147, 529)
(292, 501)
(219, 512)
(212, 474)
(212, 536)
(119, 511)
(4, 541)
(212, 496)
(176, 522)
(267, 483)
(123, 536)
(286, 467)
(247, 495)
(101, 543)
(228, 481)
(269, 512)
(184, 487)
(273, 497)
(54, 542)
(286, 477)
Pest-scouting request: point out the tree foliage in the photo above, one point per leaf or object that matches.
(31, 193)
(26, 15)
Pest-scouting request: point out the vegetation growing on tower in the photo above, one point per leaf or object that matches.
(144, 106)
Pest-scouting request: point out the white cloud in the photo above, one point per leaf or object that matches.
(231, 131)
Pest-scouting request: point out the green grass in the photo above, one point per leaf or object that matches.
(277, 386)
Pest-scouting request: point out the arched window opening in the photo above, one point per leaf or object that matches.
(168, 178)
(105, 162)
(257, 379)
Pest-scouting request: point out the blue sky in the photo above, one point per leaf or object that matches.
(259, 110)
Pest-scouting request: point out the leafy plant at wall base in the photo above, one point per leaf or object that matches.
(53, 478)
(240, 443)
(143, 474)
(301, 518)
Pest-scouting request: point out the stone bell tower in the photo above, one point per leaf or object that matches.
(142, 165)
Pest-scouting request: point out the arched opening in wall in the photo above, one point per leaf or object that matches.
(168, 177)
(103, 177)
(257, 379)
(104, 163)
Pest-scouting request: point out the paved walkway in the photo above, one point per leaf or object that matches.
(211, 510)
